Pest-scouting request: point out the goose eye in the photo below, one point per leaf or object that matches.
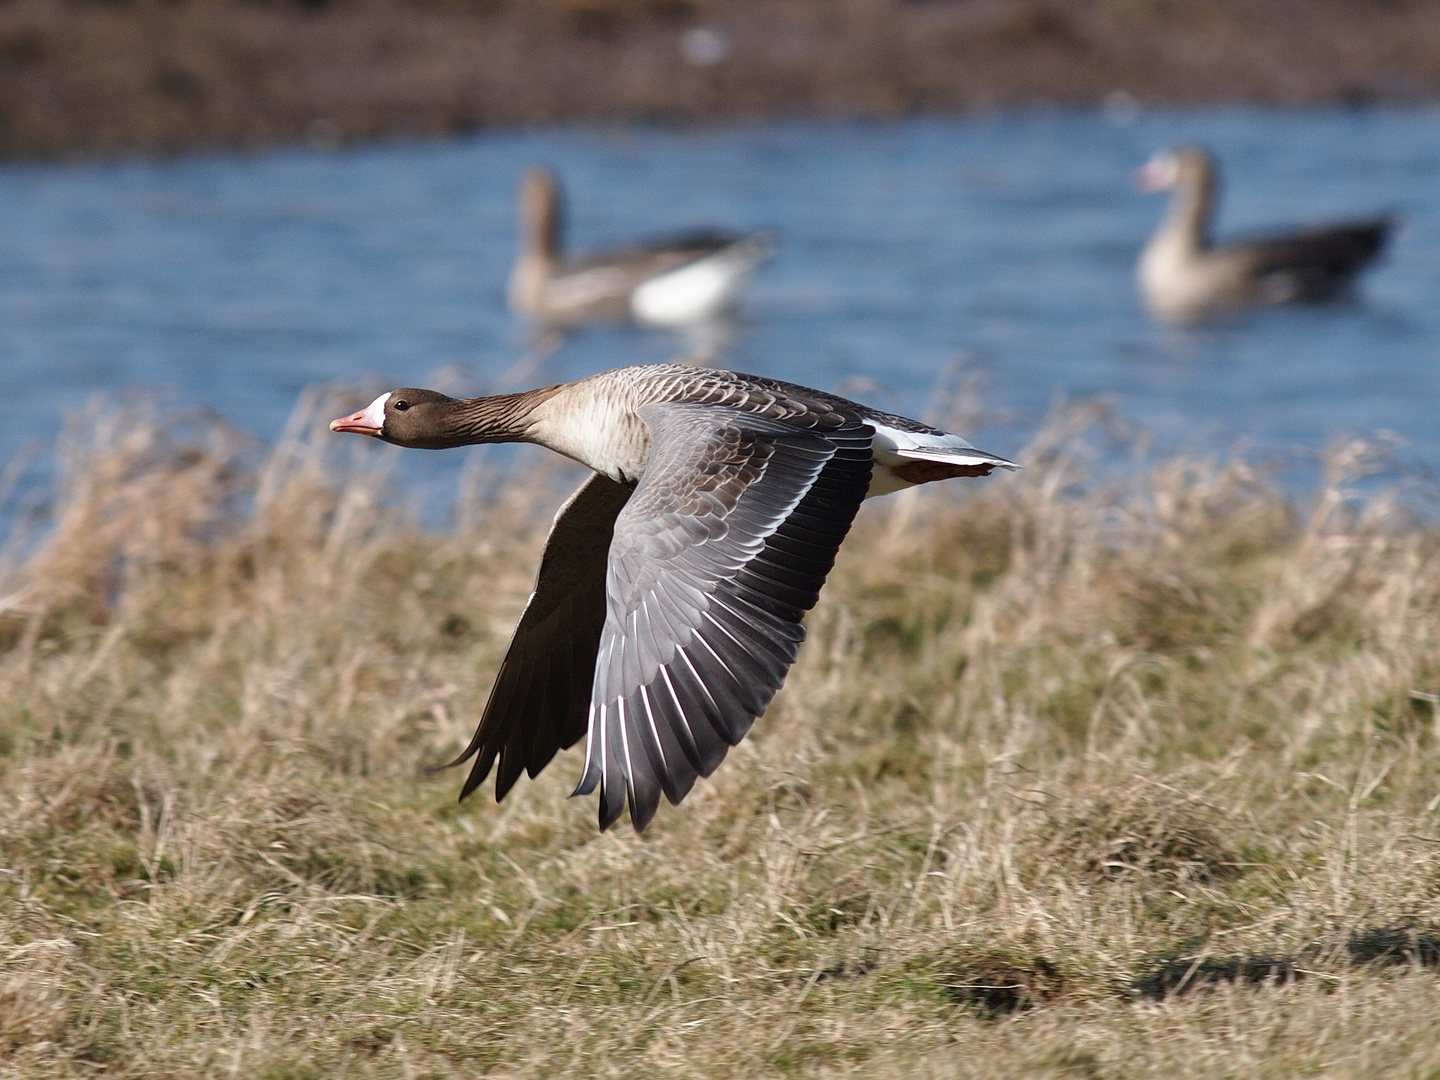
(402, 405)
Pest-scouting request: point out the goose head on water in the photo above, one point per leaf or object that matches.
(670, 599)
(1188, 170)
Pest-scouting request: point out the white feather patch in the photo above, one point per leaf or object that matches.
(699, 290)
(892, 446)
(374, 414)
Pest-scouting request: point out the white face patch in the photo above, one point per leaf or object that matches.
(374, 414)
(369, 421)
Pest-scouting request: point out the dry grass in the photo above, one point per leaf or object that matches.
(1069, 781)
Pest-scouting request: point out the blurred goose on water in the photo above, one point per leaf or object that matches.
(675, 282)
(1185, 277)
(668, 606)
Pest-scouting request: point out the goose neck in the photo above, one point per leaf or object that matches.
(541, 216)
(499, 418)
(1192, 206)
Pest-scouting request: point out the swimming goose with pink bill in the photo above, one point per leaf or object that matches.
(1186, 277)
(669, 603)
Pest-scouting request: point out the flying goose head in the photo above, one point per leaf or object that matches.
(428, 420)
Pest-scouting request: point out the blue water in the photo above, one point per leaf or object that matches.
(913, 255)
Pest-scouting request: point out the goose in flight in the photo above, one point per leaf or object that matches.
(676, 282)
(668, 606)
(1185, 277)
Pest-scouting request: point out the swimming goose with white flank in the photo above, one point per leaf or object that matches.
(674, 282)
(1184, 276)
(668, 606)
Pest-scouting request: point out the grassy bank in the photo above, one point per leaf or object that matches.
(90, 76)
(1072, 779)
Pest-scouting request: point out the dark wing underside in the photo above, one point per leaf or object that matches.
(542, 691)
(716, 558)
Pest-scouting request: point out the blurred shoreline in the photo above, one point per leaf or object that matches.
(101, 77)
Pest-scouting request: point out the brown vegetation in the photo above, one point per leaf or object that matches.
(1071, 779)
(99, 76)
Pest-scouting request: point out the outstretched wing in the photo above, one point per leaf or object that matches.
(716, 558)
(542, 692)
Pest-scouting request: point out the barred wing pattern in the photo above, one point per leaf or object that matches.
(542, 692)
(714, 561)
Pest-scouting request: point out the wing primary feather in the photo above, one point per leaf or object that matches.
(612, 793)
(738, 703)
(724, 667)
(642, 787)
(680, 727)
(594, 770)
(699, 692)
(765, 625)
(667, 760)
(646, 733)
(756, 649)
(537, 705)
(548, 733)
(512, 757)
(733, 655)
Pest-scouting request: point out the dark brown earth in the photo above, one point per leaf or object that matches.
(106, 76)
